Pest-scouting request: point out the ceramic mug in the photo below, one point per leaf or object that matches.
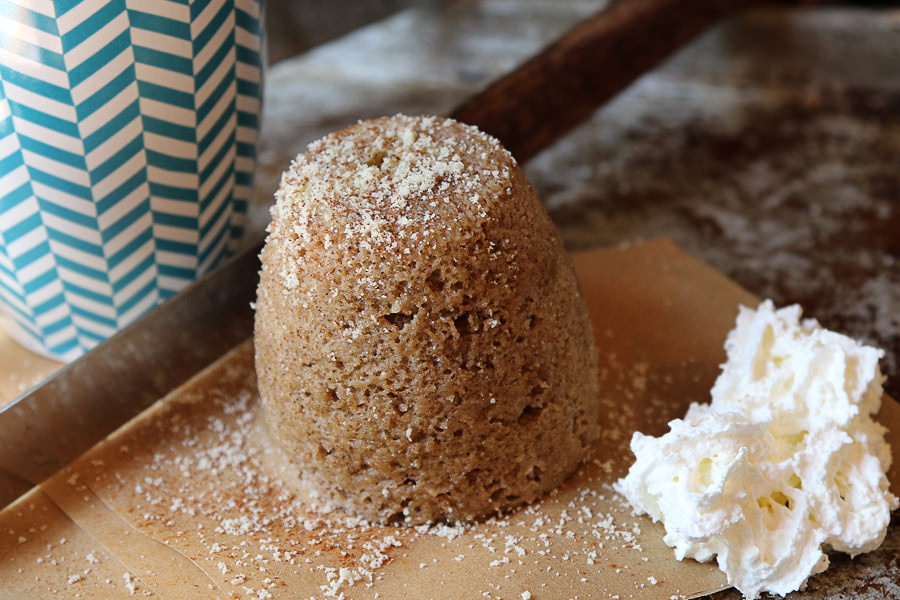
(127, 149)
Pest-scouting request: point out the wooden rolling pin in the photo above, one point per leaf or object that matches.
(554, 91)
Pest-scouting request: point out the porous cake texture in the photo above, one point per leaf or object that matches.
(422, 347)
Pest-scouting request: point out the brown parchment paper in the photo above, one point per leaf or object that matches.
(192, 500)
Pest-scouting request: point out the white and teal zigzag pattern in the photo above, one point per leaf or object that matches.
(127, 149)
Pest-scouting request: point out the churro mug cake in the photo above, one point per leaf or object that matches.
(422, 347)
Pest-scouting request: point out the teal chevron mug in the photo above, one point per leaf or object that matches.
(127, 148)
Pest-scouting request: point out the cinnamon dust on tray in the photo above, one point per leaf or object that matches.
(193, 498)
(203, 477)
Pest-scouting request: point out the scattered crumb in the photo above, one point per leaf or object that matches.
(213, 480)
(129, 583)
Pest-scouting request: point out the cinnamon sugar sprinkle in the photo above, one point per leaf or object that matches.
(202, 477)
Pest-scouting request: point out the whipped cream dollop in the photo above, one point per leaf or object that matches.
(784, 462)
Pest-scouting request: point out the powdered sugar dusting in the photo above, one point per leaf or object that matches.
(382, 184)
(202, 476)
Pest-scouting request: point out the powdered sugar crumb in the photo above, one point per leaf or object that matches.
(129, 583)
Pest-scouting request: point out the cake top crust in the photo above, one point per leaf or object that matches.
(389, 184)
